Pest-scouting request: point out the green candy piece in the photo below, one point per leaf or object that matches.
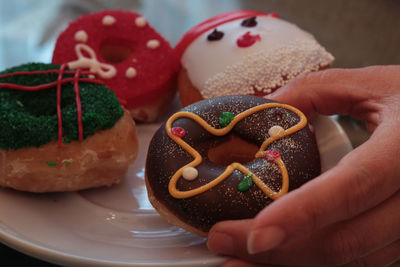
(51, 163)
(226, 118)
(246, 183)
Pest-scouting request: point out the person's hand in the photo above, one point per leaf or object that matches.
(349, 215)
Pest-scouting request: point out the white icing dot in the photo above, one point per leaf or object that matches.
(81, 36)
(153, 44)
(276, 131)
(140, 21)
(91, 76)
(130, 72)
(190, 173)
(108, 20)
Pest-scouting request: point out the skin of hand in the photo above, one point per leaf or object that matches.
(349, 215)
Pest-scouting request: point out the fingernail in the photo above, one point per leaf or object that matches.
(220, 243)
(264, 239)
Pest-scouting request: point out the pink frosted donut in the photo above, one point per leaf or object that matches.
(244, 52)
(123, 50)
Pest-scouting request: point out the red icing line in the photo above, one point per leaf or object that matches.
(78, 104)
(60, 81)
(41, 72)
(60, 74)
(211, 23)
(45, 86)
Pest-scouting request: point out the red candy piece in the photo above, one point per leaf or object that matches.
(247, 39)
(178, 131)
(272, 155)
(136, 59)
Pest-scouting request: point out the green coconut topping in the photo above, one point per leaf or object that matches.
(29, 119)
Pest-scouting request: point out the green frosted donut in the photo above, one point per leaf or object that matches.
(29, 119)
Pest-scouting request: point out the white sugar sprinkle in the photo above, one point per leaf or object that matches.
(263, 72)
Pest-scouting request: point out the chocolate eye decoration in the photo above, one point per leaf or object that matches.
(215, 35)
(249, 22)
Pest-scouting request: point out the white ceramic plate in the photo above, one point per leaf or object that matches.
(117, 226)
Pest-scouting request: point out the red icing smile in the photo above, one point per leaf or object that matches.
(247, 39)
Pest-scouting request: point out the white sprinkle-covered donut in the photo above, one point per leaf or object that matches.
(245, 52)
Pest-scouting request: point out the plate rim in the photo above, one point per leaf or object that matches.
(17, 241)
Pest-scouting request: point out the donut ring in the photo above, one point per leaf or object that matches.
(227, 158)
(61, 131)
(124, 51)
(244, 52)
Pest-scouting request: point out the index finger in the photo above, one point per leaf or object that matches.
(338, 91)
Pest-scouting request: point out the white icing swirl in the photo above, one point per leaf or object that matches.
(104, 70)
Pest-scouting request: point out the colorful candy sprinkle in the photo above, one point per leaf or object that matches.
(178, 131)
(272, 155)
(51, 163)
(276, 131)
(246, 183)
(190, 173)
(226, 118)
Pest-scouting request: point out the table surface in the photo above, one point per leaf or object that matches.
(19, 44)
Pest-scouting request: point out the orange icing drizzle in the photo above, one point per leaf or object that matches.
(235, 165)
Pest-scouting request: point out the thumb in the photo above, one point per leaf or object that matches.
(336, 91)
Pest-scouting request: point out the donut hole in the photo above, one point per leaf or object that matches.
(232, 148)
(115, 51)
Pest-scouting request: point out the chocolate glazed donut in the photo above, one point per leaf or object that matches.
(271, 144)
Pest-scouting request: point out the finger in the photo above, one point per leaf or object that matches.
(355, 185)
(230, 238)
(370, 234)
(340, 91)
(384, 257)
